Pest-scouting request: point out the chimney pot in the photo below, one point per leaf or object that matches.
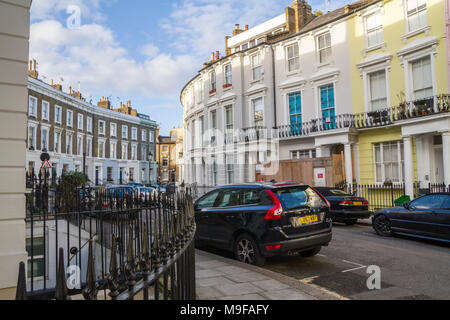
(217, 55)
(246, 27)
(237, 26)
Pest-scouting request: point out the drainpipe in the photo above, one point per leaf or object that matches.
(274, 89)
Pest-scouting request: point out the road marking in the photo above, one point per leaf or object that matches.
(360, 266)
(309, 281)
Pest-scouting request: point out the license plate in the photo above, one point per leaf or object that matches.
(358, 203)
(305, 220)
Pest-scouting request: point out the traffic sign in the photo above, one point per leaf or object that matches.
(46, 165)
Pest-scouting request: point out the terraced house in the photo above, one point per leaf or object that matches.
(357, 95)
(400, 92)
(119, 144)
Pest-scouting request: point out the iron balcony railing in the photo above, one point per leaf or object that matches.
(408, 110)
(124, 245)
(341, 121)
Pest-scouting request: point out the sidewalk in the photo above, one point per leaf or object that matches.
(219, 278)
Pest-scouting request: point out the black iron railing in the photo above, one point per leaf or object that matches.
(316, 125)
(408, 110)
(97, 243)
(383, 196)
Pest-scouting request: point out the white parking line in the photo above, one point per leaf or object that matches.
(360, 266)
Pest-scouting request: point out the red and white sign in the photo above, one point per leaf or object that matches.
(46, 165)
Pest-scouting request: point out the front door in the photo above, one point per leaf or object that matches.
(438, 165)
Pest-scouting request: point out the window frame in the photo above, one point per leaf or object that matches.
(124, 136)
(228, 75)
(69, 123)
(82, 121)
(295, 58)
(100, 132)
(48, 110)
(378, 28)
(256, 67)
(319, 49)
(382, 163)
(409, 14)
(35, 100)
(113, 133)
(60, 114)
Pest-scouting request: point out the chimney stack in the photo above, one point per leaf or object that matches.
(237, 26)
(217, 55)
(212, 56)
(32, 71)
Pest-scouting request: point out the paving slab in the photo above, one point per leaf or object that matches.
(219, 278)
(238, 289)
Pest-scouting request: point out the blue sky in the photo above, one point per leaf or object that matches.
(139, 50)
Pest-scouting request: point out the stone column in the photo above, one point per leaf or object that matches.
(348, 164)
(446, 154)
(409, 168)
(15, 30)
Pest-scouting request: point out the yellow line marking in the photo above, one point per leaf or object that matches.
(309, 281)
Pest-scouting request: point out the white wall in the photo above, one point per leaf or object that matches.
(14, 35)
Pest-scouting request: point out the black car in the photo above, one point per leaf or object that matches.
(257, 221)
(427, 217)
(345, 207)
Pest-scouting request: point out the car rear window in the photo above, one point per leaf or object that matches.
(298, 197)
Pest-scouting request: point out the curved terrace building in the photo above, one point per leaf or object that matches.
(356, 95)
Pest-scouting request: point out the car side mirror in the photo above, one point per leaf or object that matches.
(407, 205)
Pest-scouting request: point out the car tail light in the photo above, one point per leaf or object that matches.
(346, 203)
(275, 212)
(142, 195)
(274, 247)
(366, 203)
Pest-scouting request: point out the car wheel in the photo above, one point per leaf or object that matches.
(246, 250)
(351, 222)
(382, 226)
(310, 253)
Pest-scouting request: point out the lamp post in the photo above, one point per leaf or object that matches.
(150, 159)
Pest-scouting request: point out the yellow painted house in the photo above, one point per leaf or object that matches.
(399, 74)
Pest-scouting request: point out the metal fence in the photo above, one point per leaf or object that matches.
(92, 243)
(382, 196)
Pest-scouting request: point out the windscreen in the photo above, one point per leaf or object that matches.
(299, 197)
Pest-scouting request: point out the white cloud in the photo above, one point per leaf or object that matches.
(149, 50)
(92, 56)
(47, 9)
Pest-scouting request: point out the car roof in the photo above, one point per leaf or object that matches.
(262, 185)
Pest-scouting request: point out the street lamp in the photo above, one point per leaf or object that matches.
(150, 159)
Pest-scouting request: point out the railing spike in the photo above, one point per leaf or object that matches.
(91, 290)
(61, 292)
(113, 277)
(21, 291)
(130, 266)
